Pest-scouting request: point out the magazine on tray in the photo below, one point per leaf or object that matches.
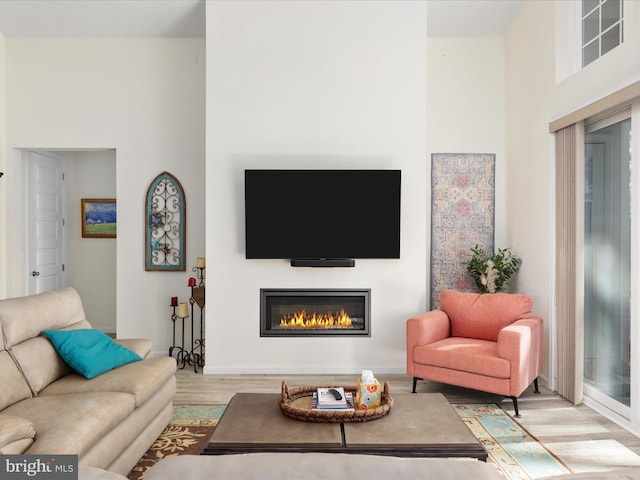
(344, 405)
(331, 396)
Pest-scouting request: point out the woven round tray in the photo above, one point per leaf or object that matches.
(296, 403)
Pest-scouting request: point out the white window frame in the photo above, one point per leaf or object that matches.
(598, 38)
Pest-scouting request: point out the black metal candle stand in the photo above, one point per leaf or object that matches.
(192, 354)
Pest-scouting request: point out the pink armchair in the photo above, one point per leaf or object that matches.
(487, 342)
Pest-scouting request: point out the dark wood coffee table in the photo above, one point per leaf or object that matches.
(419, 425)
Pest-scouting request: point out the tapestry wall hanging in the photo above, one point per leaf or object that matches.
(462, 215)
(166, 223)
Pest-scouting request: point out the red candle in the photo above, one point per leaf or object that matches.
(174, 301)
(192, 282)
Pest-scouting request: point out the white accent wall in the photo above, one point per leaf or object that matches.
(466, 104)
(530, 175)
(313, 85)
(330, 85)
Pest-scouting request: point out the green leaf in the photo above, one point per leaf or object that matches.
(491, 272)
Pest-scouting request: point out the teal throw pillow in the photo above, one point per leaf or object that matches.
(90, 352)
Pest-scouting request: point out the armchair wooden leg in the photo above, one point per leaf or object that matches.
(515, 406)
(535, 386)
(415, 381)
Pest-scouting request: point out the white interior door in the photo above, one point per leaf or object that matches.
(46, 222)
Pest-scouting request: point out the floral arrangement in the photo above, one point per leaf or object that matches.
(492, 272)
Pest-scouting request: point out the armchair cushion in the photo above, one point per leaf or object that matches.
(482, 316)
(464, 355)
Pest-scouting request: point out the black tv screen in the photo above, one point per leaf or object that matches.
(322, 214)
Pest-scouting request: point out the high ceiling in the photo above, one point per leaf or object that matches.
(461, 18)
(102, 18)
(186, 18)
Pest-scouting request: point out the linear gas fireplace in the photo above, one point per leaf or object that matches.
(311, 312)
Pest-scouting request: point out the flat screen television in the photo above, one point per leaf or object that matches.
(322, 215)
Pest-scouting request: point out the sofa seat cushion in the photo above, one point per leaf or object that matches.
(18, 447)
(72, 424)
(15, 434)
(464, 354)
(93, 473)
(475, 315)
(140, 379)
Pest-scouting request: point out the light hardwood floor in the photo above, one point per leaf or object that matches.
(580, 437)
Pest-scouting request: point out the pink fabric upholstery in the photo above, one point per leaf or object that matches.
(488, 342)
(465, 355)
(475, 315)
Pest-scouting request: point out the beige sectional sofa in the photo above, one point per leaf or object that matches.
(109, 421)
(335, 466)
(318, 466)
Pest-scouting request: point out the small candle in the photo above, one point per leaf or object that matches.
(192, 282)
(174, 301)
(201, 262)
(183, 310)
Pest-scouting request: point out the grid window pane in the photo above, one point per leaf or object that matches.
(610, 39)
(588, 5)
(610, 13)
(602, 28)
(591, 27)
(590, 53)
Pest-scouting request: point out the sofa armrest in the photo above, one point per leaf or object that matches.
(141, 346)
(428, 328)
(521, 344)
(15, 431)
(425, 329)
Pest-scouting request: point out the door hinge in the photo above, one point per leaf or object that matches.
(63, 267)
(63, 177)
(63, 222)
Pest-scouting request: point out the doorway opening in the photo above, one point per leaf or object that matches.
(58, 255)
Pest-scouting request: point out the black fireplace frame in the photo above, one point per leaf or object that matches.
(315, 292)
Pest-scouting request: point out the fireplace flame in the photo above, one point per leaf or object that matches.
(315, 320)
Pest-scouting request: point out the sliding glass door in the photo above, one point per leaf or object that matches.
(607, 335)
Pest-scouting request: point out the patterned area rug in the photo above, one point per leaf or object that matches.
(186, 434)
(516, 453)
(462, 215)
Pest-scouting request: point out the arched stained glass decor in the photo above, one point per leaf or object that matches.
(166, 223)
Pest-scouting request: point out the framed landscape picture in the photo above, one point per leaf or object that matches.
(98, 217)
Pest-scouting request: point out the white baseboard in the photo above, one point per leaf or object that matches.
(297, 370)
